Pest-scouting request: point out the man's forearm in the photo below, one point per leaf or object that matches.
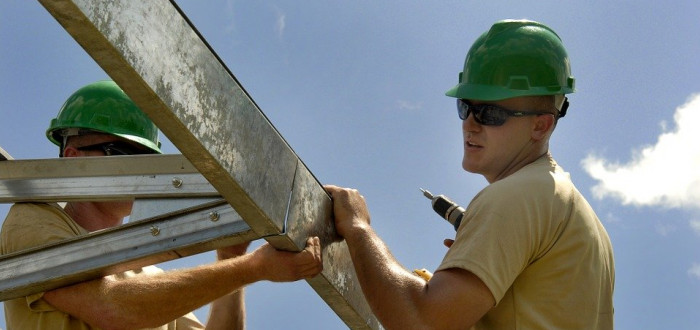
(228, 312)
(389, 288)
(149, 301)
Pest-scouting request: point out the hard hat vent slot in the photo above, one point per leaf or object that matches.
(519, 83)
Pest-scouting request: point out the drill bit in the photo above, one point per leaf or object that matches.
(446, 208)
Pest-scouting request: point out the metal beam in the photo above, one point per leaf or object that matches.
(151, 50)
(104, 188)
(72, 167)
(159, 229)
(4, 155)
(182, 232)
(101, 178)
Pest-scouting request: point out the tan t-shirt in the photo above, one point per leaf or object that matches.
(32, 224)
(540, 249)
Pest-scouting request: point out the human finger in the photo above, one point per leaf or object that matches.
(448, 242)
(313, 249)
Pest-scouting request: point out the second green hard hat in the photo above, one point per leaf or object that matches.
(103, 107)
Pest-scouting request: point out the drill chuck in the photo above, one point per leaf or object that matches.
(446, 208)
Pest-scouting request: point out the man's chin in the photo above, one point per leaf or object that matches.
(469, 167)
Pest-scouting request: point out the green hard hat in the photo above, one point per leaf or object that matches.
(103, 107)
(515, 58)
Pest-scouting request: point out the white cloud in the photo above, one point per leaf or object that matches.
(280, 23)
(695, 225)
(694, 271)
(406, 105)
(229, 10)
(665, 174)
(664, 229)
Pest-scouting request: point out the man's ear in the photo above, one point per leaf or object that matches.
(70, 151)
(542, 126)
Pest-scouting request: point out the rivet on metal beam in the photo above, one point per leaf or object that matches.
(177, 182)
(155, 231)
(214, 216)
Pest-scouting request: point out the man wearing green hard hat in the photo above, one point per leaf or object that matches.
(103, 108)
(530, 252)
(101, 120)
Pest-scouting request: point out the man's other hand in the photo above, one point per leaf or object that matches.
(283, 266)
(349, 209)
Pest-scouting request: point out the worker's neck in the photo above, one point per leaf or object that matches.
(93, 216)
(528, 157)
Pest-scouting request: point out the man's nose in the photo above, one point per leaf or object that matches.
(470, 124)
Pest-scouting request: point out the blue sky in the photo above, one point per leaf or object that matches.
(357, 89)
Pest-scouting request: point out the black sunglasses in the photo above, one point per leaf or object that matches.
(116, 148)
(489, 114)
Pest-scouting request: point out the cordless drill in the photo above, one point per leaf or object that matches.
(446, 208)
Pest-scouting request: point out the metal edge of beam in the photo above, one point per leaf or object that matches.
(188, 90)
(101, 188)
(119, 249)
(101, 178)
(95, 166)
(151, 208)
(310, 214)
(4, 155)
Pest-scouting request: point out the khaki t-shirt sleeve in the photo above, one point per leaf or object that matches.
(188, 322)
(34, 224)
(495, 243)
(30, 225)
